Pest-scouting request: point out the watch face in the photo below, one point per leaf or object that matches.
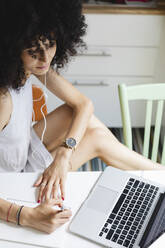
(71, 142)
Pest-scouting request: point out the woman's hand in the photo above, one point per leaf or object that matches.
(54, 176)
(44, 217)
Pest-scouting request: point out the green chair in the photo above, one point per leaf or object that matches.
(150, 93)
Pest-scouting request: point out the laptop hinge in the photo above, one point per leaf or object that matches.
(152, 231)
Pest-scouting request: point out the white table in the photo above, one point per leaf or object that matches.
(78, 187)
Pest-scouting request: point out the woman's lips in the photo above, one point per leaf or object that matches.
(42, 67)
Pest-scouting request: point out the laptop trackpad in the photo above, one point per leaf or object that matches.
(102, 199)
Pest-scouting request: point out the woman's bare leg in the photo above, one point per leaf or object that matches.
(98, 141)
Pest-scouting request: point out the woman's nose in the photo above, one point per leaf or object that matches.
(44, 56)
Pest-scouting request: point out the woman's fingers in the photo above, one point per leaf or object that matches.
(48, 190)
(39, 180)
(49, 187)
(63, 221)
(42, 187)
(64, 214)
(52, 189)
(54, 202)
(55, 189)
(62, 188)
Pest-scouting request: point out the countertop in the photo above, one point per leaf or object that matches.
(109, 9)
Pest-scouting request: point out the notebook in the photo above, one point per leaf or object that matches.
(26, 195)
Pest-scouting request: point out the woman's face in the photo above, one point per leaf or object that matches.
(37, 60)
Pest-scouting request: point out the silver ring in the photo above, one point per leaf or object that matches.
(43, 184)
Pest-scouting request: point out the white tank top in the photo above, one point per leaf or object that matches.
(15, 137)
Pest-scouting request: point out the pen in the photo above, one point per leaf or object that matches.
(64, 207)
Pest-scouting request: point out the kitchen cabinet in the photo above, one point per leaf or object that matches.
(120, 49)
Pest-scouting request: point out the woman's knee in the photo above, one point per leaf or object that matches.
(100, 128)
(94, 122)
(96, 136)
(100, 138)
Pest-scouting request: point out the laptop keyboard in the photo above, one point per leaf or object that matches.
(127, 217)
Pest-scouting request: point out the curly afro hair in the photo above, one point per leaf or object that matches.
(23, 23)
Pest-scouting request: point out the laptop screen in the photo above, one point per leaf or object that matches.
(156, 225)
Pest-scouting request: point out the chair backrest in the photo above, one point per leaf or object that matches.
(150, 93)
(39, 103)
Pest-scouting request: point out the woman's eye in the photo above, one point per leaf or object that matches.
(47, 46)
(52, 43)
(31, 53)
(34, 56)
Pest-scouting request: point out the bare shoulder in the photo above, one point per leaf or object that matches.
(5, 109)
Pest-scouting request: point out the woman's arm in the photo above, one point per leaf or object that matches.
(4, 210)
(81, 105)
(55, 175)
(8, 212)
(43, 217)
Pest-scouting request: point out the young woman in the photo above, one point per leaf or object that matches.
(38, 39)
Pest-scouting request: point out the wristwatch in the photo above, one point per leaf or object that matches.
(70, 143)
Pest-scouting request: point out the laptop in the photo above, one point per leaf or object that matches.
(122, 210)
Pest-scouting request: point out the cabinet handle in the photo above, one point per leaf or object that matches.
(96, 54)
(101, 83)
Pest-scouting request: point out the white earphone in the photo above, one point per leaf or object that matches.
(35, 100)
